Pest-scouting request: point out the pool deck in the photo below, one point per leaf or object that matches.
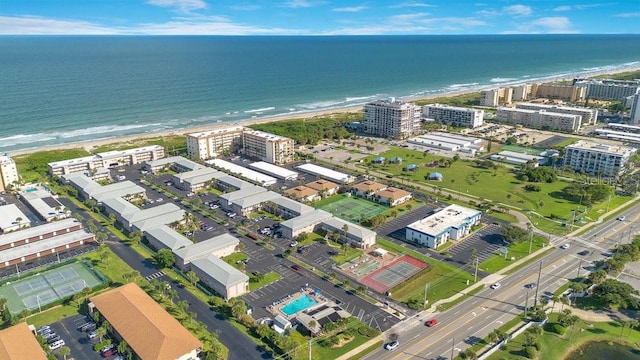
(276, 307)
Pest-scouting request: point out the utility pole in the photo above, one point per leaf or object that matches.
(530, 238)
(475, 274)
(579, 266)
(526, 303)
(310, 349)
(453, 344)
(535, 300)
(426, 288)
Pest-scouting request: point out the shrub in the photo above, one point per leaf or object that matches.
(530, 352)
(367, 331)
(99, 346)
(558, 329)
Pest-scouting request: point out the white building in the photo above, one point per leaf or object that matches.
(608, 89)
(516, 158)
(594, 158)
(221, 277)
(12, 219)
(391, 118)
(241, 171)
(489, 97)
(355, 235)
(267, 147)
(326, 173)
(210, 144)
(8, 172)
(107, 159)
(635, 109)
(453, 222)
(452, 115)
(305, 223)
(218, 246)
(589, 116)
(274, 170)
(540, 119)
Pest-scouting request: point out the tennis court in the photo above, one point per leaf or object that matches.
(350, 208)
(520, 149)
(44, 288)
(393, 274)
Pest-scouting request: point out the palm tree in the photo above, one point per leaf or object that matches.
(122, 347)
(193, 277)
(101, 332)
(65, 351)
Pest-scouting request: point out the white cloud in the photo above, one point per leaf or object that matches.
(35, 25)
(562, 8)
(301, 4)
(554, 24)
(517, 10)
(351, 9)
(182, 5)
(408, 17)
(410, 4)
(628, 15)
(245, 7)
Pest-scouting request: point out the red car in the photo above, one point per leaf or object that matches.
(297, 267)
(431, 322)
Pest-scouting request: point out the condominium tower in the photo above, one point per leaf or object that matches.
(209, 144)
(267, 147)
(589, 116)
(391, 118)
(452, 115)
(608, 89)
(107, 159)
(594, 158)
(8, 172)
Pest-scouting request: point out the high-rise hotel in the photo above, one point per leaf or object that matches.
(391, 118)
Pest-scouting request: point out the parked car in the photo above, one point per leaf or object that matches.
(53, 339)
(621, 218)
(431, 323)
(530, 285)
(293, 244)
(92, 335)
(109, 352)
(392, 345)
(583, 252)
(56, 345)
(297, 267)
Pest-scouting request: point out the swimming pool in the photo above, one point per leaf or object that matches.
(298, 305)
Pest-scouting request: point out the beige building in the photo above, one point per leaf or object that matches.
(267, 147)
(560, 92)
(539, 119)
(392, 196)
(149, 330)
(8, 173)
(367, 188)
(588, 116)
(303, 193)
(209, 144)
(391, 118)
(324, 187)
(489, 97)
(107, 159)
(19, 342)
(220, 277)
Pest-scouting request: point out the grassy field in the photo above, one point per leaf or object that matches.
(33, 167)
(558, 347)
(516, 251)
(444, 280)
(268, 279)
(498, 185)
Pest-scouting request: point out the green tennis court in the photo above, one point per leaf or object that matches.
(350, 208)
(38, 290)
(520, 149)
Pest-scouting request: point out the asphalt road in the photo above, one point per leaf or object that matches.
(471, 321)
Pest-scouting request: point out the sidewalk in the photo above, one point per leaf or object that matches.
(360, 348)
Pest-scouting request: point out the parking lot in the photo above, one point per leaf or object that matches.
(79, 343)
(485, 241)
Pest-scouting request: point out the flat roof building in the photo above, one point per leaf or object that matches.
(37, 233)
(608, 89)
(568, 93)
(221, 277)
(149, 330)
(12, 219)
(8, 173)
(253, 202)
(588, 116)
(453, 115)
(453, 222)
(177, 163)
(391, 118)
(516, 158)
(237, 170)
(540, 119)
(195, 180)
(268, 147)
(210, 144)
(133, 218)
(19, 342)
(107, 159)
(227, 200)
(355, 235)
(287, 208)
(45, 205)
(274, 170)
(594, 158)
(326, 173)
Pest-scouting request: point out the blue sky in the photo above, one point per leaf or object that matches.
(317, 17)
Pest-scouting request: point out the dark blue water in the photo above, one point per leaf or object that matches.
(61, 89)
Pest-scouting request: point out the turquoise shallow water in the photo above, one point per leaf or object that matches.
(299, 304)
(61, 89)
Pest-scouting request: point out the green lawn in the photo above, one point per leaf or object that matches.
(444, 280)
(235, 257)
(499, 186)
(515, 251)
(557, 347)
(268, 279)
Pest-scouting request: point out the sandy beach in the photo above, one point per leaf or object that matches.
(89, 145)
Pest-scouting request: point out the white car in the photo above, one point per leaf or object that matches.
(565, 246)
(496, 285)
(293, 244)
(56, 345)
(621, 218)
(392, 345)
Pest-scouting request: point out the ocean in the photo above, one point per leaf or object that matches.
(60, 89)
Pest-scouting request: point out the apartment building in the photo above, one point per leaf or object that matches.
(539, 119)
(453, 115)
(107, 159)
(489, 97)
(589, 116)
(635, 109)
(595, 158)
(608, 89)
(521, 92)
(8, 172)
(274, 149)
(210, 144)
(560, 92)
(391, 118)
(453, 222)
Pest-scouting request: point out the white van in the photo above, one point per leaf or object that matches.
(56, 345)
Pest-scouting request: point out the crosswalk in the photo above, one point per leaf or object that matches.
(155, 275)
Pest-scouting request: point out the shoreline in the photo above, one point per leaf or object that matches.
(88, 145)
